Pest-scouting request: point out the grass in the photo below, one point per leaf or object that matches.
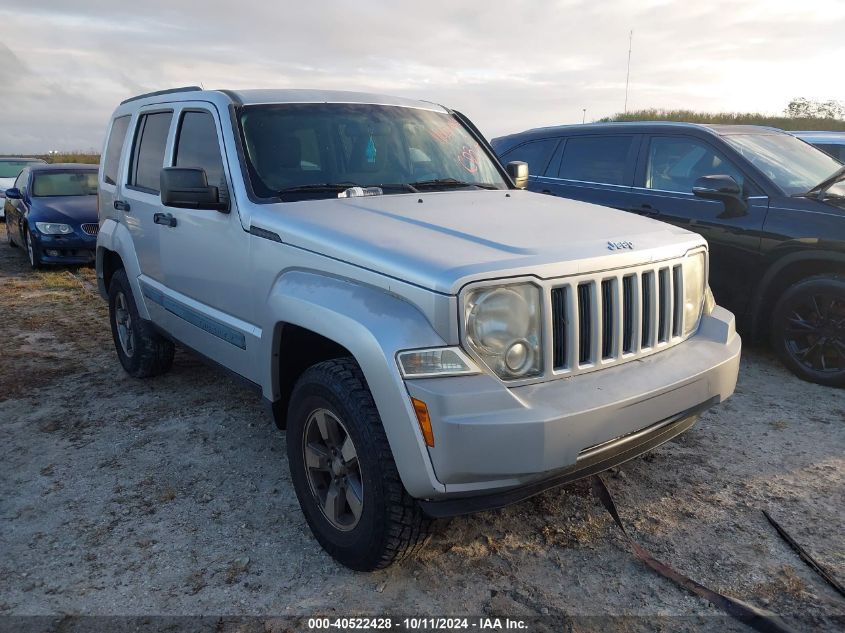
(90, 158)
(736, 118)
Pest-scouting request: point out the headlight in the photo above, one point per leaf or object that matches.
(435, 362)
(695, 273)
(53, 228)
(503, 327)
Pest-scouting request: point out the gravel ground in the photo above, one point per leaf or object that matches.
(171, 496)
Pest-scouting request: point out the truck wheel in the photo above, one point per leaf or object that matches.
(142, 351)
(808, 330)
(343, 470)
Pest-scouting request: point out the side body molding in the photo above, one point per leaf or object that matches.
(373, 325)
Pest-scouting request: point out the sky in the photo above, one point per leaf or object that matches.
(508, 65)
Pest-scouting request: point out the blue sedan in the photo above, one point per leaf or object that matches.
(52, 212)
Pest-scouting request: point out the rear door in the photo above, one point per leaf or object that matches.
(668, 167)
(138, 199)
(592, 168)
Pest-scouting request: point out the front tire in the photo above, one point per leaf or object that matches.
(343, 470)
(31, 250)
(808, 329)
(142, 351)
(9, 236)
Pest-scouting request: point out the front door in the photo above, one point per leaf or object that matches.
(668, 167)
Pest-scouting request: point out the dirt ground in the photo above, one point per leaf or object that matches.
(171, 496)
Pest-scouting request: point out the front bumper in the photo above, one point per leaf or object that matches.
(492, 439)
(66, 249)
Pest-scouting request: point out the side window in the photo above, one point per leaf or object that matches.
(197, 145)
(601, 159)
(535, 153)
(675, 163)
(148, 153)
(837, 151)
(111, 160)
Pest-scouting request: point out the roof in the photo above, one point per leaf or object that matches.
(268, 96)
(648, 126)
(65, 167)
(820, 136)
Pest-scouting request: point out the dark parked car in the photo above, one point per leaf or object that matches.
(772, 208)
(832, 143)
(52, 212)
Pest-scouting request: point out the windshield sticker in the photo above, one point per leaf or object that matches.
(468, 160)
(446, 131)
(371, 151)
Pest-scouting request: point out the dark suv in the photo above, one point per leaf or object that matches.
(771, 206)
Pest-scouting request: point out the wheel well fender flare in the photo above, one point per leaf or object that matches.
(114, 237)
(372, 324)
(762, 297)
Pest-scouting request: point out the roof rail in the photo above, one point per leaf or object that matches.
(162, 92)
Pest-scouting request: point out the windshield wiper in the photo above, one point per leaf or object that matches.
(451, 182)
(318, 187)
(398, 185)
(820, 189)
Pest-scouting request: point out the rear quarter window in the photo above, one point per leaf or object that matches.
(535, 153)
(111, 160)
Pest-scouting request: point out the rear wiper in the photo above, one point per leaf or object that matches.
(451, 182)
(820, 189)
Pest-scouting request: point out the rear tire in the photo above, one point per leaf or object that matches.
(142, 351)
(808, 329)
(373, 521)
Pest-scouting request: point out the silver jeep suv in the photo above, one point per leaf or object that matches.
(435, 340)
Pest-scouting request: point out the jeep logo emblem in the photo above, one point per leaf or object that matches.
(618, 246)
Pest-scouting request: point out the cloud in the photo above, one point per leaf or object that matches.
(508, 65)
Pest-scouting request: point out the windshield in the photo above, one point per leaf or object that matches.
(13, 168)
(307, 145)
(64, 183)
(793, 165)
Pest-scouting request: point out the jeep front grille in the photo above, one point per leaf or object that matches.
(91, 229)
(607, 318)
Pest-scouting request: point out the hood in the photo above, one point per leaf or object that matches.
(444, 240)
(68, 209)
(6, 183)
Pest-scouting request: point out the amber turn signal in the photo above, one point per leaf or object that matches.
(424, 420)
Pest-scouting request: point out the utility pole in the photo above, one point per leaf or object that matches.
(584, 116)
(628, 73)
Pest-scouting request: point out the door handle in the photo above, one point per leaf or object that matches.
(166, 219)
(120, 205)
(646, 209)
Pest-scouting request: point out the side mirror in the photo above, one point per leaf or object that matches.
(13, 194)
(725, 189)
(518, 171)
(188, 188)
